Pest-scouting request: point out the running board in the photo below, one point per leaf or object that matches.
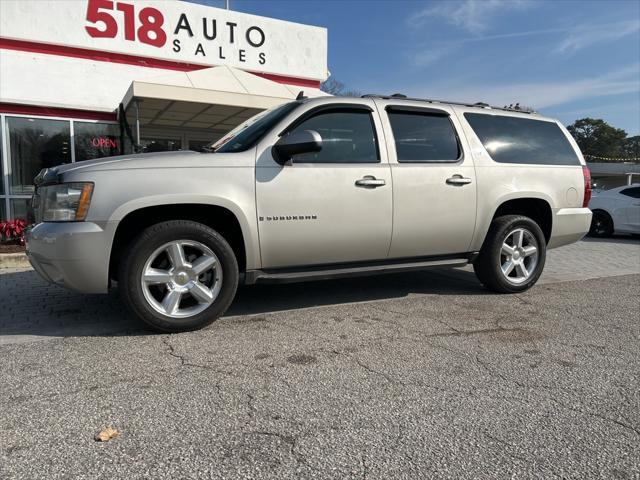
(327, 272)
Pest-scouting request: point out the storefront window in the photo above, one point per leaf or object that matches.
(96, 140)
(198, 145)
(159, 145)
(3, 215)
(1, 169)
(34, 144)
(19, 207)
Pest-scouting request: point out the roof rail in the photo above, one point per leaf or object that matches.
(397, 96)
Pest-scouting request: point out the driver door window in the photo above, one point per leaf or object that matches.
(348, 136)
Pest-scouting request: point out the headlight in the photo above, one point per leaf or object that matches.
(67, 202)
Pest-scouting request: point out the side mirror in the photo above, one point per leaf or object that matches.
(306, 141)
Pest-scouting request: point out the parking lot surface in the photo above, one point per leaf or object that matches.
(425, 375)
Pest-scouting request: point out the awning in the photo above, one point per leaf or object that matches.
(217, 98)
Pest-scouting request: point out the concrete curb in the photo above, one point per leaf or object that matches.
(14, 260)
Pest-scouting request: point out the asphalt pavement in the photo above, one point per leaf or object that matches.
(425, 375)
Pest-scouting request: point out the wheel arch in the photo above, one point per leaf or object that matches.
(533, 206)
(602, 209)
(224, 220)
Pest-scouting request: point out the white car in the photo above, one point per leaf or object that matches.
(616, 211)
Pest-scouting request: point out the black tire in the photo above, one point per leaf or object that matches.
(143, 247)
(488, 264)
(601, 224)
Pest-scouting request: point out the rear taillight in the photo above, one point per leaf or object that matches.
(587, 186)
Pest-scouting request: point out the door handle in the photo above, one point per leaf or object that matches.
(369, 181)
(458, 180)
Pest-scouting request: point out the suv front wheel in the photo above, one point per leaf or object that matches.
(178, 275)
(513, 255)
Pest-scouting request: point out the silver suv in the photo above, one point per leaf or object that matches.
(315, 189)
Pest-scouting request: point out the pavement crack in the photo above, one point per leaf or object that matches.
(624, 425)
(495, 374)
(466, 333)
(365, 467)
(510, 446)
(442, 322)
(251, 413)
(289, 440)
(172, 351)
(386, 310)
(368, 368)
(184, 362)
(386, 376)
(523, 300)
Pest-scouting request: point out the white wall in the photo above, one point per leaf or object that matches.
(39, 79)
(289, 49)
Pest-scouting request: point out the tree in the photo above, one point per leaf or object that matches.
(522, 108)
(596, 137)
(334, 87)
(631, 147)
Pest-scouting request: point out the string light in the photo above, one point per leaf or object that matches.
(618, 159)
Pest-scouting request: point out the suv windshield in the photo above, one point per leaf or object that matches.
(247, 134)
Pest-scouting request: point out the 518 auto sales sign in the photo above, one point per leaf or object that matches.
(171, 30)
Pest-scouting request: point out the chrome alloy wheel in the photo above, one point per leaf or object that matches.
(519, 255)
(181, 278)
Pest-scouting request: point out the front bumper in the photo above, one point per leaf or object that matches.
(74, 255)
(569, 226)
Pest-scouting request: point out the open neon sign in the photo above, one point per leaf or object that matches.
(104, 142)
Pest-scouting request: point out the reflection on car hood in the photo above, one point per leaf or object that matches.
(139, 160)
(158, 160)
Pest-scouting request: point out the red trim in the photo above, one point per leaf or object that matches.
(20, 109)
(99, 56)
(301, 82)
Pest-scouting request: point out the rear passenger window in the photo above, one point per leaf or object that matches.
(633, 192)
(522, 140)
(423, 137)
(348, 136)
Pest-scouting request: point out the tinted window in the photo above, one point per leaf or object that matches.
(348, 136)
(522, 140)
(34, 144)
(1, 177)
(633, 192)
(150, 145)
(250, 132)
(96, 140)
(424, 137)
(19, 208)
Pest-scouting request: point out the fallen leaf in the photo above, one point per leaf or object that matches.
(106, 434)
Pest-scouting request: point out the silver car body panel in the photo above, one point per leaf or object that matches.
(431, 216)
(322, 216)
(560, 186)
(347, 223)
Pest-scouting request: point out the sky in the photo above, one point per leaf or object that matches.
(567, 59)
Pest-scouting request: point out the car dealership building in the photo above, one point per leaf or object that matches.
(82, 79)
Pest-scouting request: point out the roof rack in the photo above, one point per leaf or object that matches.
(396, 96)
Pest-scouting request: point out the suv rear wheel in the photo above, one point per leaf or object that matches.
(513, 255)
(178, 276)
